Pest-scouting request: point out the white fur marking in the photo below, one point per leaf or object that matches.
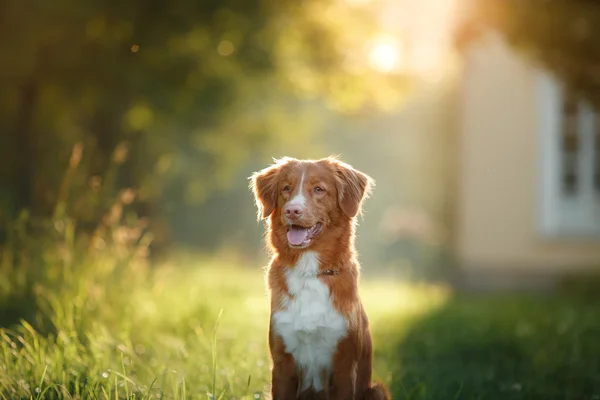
(309, 324)
(299, 198)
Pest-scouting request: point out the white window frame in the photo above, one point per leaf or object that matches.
(561, 215)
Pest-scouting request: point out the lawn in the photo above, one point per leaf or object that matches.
(496, 347)
(197, 330)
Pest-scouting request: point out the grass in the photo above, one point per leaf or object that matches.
(99, 323)
(497, 347)
(199, 332)
(183, 332)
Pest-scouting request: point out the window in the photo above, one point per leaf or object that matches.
(570, 162)
(570, 144)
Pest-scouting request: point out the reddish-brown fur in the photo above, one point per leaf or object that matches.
(336, 207)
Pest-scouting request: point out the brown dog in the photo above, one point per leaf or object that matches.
(319, 335)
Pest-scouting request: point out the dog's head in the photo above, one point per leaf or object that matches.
(308, 199)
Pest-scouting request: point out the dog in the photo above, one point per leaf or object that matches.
(319, 338)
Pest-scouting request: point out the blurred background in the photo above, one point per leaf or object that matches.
(127, 229)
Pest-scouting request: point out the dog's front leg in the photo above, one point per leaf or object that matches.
(284, 378)
(343, 384)
(343, 376)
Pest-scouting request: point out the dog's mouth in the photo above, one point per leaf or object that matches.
(301, 236)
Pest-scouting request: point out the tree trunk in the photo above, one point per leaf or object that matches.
(26, 145)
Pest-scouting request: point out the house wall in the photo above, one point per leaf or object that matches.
(497, 230)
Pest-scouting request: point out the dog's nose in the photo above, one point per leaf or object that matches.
(293, 211)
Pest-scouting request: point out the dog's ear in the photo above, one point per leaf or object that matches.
(353, 188)
(264, 186)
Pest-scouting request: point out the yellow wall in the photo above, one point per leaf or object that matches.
(498, 202)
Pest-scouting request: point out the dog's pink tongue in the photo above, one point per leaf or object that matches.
(296, 235)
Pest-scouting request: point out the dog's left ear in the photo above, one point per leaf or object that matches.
(353, 188)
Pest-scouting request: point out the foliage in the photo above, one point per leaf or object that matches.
(561, 35)
(190, 90)
(156, 336)
(85, 315)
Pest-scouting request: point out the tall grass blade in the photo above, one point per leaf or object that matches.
(214, 354)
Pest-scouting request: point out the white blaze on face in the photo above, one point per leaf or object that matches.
(299, 199)
(297, 234)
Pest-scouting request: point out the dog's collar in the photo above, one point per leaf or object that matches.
(329, 272)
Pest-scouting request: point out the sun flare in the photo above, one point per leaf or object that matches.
(414, 38)
(384, 55)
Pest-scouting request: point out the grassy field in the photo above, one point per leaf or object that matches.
(186, 331)
(198, 331)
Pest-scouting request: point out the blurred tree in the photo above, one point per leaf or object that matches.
(178, 93)
(562, 35)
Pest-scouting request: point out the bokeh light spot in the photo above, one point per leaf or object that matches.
(139, 117)
(225, 48)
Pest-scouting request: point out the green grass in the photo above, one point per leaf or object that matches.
(183, 332)
(197, 330)
(497, 347)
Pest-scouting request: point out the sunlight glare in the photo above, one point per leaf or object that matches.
(384, 55)
(424, 31)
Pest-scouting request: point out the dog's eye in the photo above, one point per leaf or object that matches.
(286, 188)
(318, 189)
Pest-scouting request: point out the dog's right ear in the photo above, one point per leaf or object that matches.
(264, 187)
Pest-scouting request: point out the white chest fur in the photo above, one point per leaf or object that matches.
(308, 323)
